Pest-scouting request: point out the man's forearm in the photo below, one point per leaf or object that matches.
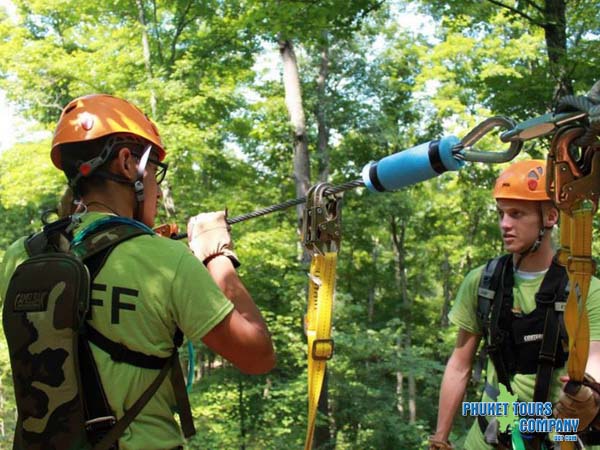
(452, 392)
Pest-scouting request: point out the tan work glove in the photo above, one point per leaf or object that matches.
(580, 402)
(208, 235)
(435, 444)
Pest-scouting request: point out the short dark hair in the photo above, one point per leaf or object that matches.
(75, 153)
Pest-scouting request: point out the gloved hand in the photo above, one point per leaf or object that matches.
(582, 402)
(208, 236)
(435, 444)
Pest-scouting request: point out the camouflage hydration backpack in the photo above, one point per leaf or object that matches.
(60, 401)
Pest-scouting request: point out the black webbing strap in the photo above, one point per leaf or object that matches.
(551, 290)
(485, 295)
(501, 313)
(120, 353)
(183, 402)
(95, 403)
(121, 425)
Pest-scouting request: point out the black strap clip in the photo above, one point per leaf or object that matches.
(98, 428)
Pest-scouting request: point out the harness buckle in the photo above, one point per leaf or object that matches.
(98, 428)
(546, 299)
(546, 358)
(581, 264)
(326, 346)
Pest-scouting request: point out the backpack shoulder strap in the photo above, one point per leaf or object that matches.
(93, 246)
(488, 285)
(494, 306)
(54, 237)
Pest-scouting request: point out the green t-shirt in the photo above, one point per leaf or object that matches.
(147, 288)
(464, 315)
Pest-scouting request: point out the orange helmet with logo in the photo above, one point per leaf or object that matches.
(523, 180)
(97, 115)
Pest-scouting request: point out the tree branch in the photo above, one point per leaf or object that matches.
(517, 12)
(534, 5)
(179, 29)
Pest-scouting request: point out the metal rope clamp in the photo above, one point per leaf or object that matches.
(322, 220)
(573, 180)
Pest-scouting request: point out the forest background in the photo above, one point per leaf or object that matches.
(258, 100)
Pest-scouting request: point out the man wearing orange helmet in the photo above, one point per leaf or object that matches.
(515, 303)
(148, 287)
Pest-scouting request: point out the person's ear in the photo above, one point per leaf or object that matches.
(551, 215)
(125, 164)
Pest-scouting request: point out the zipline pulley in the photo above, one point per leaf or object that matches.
(322, 221)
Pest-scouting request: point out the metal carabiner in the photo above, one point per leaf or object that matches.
(540, 126)
(465, 150)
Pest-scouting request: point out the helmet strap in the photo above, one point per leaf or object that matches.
(538, 242)
(138, 184)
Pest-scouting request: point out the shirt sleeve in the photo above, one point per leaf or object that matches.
(593, 307)
(464, 311)
(15, 255)
(199, 304)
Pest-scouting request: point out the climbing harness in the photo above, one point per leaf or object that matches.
(532, 343)
(573, 184)
(321, 236)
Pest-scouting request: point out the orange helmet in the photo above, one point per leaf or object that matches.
(523, 180)
(97, 115)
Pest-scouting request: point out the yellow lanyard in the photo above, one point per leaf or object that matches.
(318, 331)
(580, 268)
(575, 194)
(321, 235)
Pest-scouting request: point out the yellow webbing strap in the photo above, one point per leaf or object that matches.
(580, 268)
(576, 254)
(321, 288)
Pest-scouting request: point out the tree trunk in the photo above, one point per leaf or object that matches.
(293, 101)
(399, 239)
(446, 292)
(554, 24)
(167, 196)
(555, 31)
(323, 129)
(399, 383)
(146, 53)
(241, 413)
(412, 385)
(373, 284)
(167, 199)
